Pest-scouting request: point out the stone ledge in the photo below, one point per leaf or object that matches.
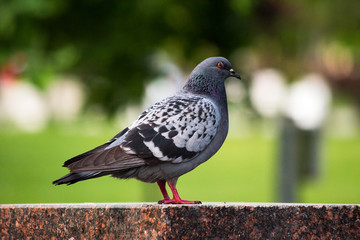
(153, 221)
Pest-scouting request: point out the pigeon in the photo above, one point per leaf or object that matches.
(167, 140)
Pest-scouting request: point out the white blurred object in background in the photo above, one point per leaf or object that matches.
(238, 113)
(66, 98)
(235, 90)
(24, 105)
(170, 81)
(308, 102)
(268, 92)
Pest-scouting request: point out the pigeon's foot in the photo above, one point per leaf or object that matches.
(177, 201)
(176, 198)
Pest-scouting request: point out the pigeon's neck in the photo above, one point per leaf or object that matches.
(214, 89)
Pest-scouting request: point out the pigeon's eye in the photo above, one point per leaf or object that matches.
(220, 65)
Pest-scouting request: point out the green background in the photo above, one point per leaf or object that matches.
(244, 170)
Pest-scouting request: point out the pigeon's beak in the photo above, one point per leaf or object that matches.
(234, 74)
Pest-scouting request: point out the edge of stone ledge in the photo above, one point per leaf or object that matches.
(156, 205)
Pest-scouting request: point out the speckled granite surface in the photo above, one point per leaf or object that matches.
(153, 221)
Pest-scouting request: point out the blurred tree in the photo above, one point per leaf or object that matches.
(108, 43)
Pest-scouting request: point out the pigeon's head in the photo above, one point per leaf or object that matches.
(208, 77)
(215, 67)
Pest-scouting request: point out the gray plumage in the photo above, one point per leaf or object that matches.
(168, 139)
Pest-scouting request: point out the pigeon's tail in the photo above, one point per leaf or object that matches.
(76, 177)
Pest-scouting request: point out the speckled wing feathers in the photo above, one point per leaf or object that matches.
(175, 129)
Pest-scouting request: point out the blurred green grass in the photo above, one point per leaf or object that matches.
(244, 170)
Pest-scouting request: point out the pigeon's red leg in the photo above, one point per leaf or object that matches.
(162, 187)
(176, 198)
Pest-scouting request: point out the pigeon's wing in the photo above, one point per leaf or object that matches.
(176, 129)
